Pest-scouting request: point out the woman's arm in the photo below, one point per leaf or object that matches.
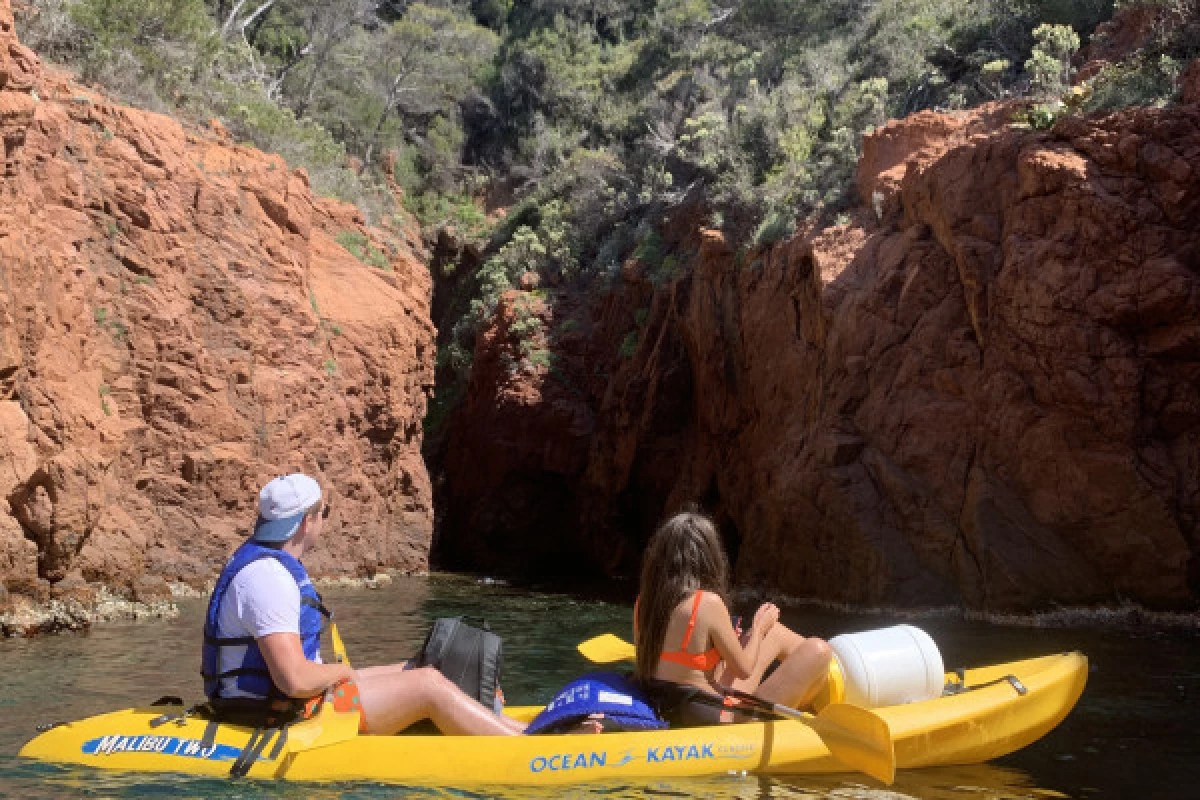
(292, 673)
(739, 659)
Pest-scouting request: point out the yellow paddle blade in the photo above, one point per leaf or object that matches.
(858, 738)
(339, 647)
(325, 728)
(607, 648)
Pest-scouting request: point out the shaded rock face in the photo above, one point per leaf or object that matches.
(984, 391)
(1189, 83)
(178, 324)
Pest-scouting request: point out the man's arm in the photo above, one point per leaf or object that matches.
(292, 673)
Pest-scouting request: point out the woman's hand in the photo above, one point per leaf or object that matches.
(765, 618)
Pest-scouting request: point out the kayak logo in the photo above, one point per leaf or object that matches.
(565, 761)
(561, 762)
(159, 745)
(691, 752)
(737, 751)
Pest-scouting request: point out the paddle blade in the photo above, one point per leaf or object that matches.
(325, 728)
(607, 648)
(858, 738)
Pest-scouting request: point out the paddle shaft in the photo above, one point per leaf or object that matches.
(758, 702)
(339, 647)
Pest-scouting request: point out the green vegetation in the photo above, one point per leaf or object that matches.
(433, 209)
(105, 391)
(593, 122)
(1149, 76)
(359, 246)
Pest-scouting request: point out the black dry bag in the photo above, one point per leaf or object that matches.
(470, 657)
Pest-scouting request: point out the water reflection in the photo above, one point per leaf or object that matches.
(1135, 711)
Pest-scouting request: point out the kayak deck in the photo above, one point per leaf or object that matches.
(974, 726)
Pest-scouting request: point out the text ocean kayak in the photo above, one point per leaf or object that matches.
(981, 723)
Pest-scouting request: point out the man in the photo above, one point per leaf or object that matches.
(262, 636)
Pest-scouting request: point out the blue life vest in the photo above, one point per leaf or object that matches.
(251, 675)
(616, 697)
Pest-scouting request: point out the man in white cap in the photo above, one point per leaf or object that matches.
(262, 636)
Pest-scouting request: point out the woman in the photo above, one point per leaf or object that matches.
(685, 637)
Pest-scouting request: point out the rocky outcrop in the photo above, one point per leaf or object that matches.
(984, 390)
(180, 320)
(922, 136)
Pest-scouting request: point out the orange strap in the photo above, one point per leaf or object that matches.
(687, 635)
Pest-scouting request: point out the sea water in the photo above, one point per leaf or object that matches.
(1134, 733)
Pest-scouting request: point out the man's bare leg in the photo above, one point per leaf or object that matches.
(394, 698)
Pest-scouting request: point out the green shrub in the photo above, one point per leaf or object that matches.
(650, 250)
(775, 227)
(359, 246)
(434, 209)
(1049, 65)
(1137, 82)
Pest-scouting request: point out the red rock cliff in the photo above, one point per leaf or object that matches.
(178, 324)
(990, 396)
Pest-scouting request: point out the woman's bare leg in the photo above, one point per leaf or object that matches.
(800, 676)
(803, 668)
(779, 642)
(394, 698)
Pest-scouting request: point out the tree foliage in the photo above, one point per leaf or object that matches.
(592, 120)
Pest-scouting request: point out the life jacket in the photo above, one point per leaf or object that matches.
(251, 675)
(614, 696)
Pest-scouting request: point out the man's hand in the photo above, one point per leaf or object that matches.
(295, 675)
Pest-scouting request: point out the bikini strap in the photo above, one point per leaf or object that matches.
(687, 636)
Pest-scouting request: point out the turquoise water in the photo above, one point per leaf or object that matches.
(1132, 735)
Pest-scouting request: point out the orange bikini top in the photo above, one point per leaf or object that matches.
(706, 661)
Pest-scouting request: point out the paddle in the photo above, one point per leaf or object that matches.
(339, 647)
(607, 648)
(858, 738)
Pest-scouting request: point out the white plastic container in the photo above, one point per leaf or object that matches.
(886, 667)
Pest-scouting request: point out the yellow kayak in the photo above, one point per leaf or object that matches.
(990, 718)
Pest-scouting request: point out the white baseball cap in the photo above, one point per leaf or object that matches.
(282, 504)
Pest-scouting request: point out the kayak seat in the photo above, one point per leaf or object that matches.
(684, 706)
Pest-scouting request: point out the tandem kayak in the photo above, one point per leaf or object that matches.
(986, 713)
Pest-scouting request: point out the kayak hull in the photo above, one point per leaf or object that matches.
(967, 728)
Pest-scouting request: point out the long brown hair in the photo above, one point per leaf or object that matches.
(683, 555)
